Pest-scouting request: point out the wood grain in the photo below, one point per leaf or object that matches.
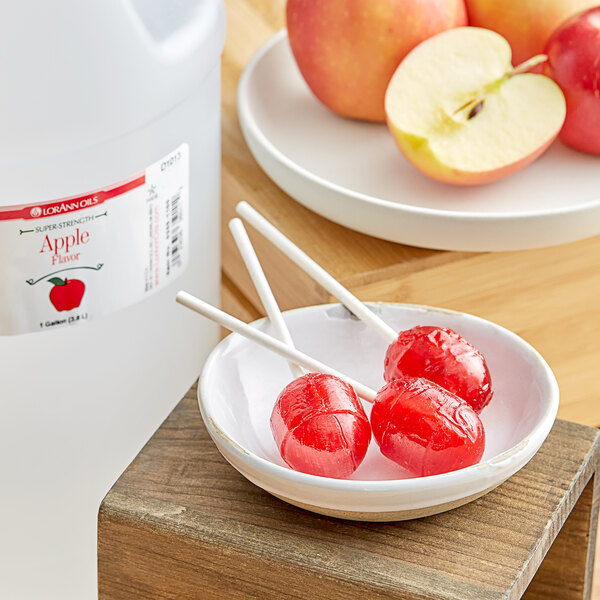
(181, 523)
(571, 554)
(548, 296)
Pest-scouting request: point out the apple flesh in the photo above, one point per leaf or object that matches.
(526, 24)
(462, 115)
(348, 51)
(574, 63)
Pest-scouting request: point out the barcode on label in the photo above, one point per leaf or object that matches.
(176, 237)
(175, 210)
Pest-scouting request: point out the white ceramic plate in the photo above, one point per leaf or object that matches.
(352, 173)
(241, 381)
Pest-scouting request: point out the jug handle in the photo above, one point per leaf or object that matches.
(187, 35)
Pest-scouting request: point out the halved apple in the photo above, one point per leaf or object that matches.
(462, 114)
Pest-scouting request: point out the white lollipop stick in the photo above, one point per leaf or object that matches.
(226, 320)
(318, 273)
(262, 287)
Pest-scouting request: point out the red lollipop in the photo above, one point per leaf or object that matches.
(320, 426)
(444, 357)
(426, 429)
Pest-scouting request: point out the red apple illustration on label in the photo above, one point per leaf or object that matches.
(66, 293)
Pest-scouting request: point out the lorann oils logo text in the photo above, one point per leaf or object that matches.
(63, 207)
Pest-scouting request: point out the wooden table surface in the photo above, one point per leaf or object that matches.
(181, 523)
(548, 296)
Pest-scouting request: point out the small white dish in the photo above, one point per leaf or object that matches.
(241, 381)
(352, 173)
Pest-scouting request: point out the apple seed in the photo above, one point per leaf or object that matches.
(476, 110)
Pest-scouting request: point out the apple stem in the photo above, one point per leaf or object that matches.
(528, 64)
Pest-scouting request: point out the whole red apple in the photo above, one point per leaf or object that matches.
(574, 63)
(347, 51)
(66, 293)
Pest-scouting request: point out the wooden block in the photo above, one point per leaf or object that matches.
(571, 554)
(182, 523)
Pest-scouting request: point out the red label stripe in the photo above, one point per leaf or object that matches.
(67, 205)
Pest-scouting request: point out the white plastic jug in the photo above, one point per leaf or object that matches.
(109, 203)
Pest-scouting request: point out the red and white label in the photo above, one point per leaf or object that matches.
(70, 260)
